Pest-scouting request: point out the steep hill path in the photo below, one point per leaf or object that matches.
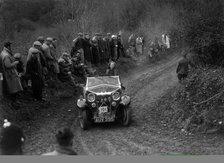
(145, 135)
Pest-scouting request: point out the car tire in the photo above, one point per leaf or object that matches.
(83, 120)
(126, 118)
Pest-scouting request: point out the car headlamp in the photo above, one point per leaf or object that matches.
(114, 104)
(91, 97)
(116, 96)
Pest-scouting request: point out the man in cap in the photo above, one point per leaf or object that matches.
(11, 80)
(64, 140)
(95, 51)
(41, 40)
(101, 46)
(114, 47)
(46, 50)
(87, 50)
(53, 50)
(49, 58)
(11, 139)
(34, 70)
(108, 50)
(120, 47)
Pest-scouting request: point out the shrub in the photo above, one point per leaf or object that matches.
(197, 105)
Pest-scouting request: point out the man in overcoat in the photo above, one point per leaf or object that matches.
(34, 70)
(87, 50)
(11, 79)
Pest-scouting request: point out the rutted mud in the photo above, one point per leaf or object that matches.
(143, 137)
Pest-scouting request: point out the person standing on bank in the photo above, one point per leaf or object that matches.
(55, 66)
(95, 52)
(113, 48)
(108, 50)
(183, 68)
(87, 50)
(48, 56)
(35, 71)
(10, 74)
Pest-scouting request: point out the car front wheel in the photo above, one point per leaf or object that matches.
(83, 121)
(126, 118)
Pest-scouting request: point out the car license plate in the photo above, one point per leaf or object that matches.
(103, 109)
(104, 119)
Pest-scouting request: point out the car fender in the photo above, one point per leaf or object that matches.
(81, 103)
(125, 100)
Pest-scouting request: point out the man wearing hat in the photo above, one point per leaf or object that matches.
(64, 140)
(55, 66)
(108, 50)
(41, 40)
(101, 48)
(114, 48)
(120, 46)
(95, 51)
(87, 50)
(47, 52)
(11, 79)
(11, 139)
(34, 70)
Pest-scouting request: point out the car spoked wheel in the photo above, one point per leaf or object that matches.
(83, 121)
(126, 118)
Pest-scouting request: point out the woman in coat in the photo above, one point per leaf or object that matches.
(10, 73)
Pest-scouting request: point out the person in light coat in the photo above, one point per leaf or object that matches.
(139, 45)
(47, 53)
(10, 74)
(53, 50)
(166, 40)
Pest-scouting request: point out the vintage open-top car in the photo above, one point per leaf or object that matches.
(103, 101)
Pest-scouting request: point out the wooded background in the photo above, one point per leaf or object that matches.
(194, 23)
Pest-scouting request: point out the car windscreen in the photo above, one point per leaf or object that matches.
(108, 80)
(103, 89)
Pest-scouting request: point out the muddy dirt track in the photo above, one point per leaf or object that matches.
(145, 136)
